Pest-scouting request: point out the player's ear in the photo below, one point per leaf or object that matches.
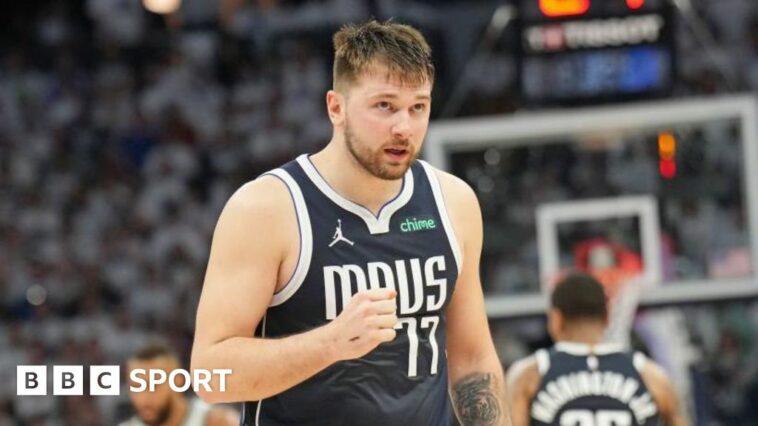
(554, 323)
(335, 106)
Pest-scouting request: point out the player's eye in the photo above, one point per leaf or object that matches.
(384, 106)
(419, 108)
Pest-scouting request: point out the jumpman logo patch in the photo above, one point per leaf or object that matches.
(338, 235)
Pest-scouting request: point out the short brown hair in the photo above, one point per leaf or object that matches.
(154, 348)
(580, 296)
(400, 47)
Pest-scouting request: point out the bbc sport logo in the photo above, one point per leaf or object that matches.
(106, 380)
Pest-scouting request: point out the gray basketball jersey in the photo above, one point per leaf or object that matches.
(344, 248)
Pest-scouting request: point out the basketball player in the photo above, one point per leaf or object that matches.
(357, 267)
(581, 382)
(163, 406)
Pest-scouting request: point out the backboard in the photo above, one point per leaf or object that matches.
(685, 168)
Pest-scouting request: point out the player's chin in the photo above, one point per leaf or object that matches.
(393, 170)
(150, 417)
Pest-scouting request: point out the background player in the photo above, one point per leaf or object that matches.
(377, 328)
(581, 381)
(164, 407)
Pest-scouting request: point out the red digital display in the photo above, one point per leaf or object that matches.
(557, 8)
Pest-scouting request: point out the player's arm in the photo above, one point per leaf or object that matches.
(476, 376)
(663, 393)
(220, 416)
(249, 245)
(521, 382)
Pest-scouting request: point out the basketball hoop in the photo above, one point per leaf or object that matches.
(623, 291)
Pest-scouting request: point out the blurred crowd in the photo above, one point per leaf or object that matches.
(123, 133)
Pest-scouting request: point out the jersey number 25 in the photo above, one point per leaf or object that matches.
(596, 418)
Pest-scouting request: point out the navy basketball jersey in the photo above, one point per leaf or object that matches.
(344, 248)
(598, 388)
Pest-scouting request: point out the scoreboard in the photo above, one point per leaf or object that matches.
(584, 51)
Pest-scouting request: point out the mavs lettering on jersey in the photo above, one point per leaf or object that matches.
(583, 388)
(353, 278)
(344, 249)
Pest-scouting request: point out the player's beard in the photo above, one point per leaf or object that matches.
(163, 415)
(373, 161)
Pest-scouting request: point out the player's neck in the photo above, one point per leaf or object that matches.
(178, 412)
(585, 333)
(343, 173)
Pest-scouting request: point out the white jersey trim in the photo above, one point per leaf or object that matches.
(376, 224)
(306, 239)
(543, 361)
(581, 349)
(439, 198)
(516, 370)
(639, 360)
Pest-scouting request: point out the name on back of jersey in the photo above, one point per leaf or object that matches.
(566, 388)
(421, 288)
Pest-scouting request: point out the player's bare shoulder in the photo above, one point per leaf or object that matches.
(462, 205)
(521, 383)
(259, 219)
(661, 388)
(456, 190)
(523, 377)
(258, 205)
(266, 195)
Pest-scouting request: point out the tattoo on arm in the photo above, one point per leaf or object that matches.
(476, 400)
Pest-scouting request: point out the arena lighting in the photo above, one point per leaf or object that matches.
(635, 4)
(162, 7)
(667, 155)
(666, 145)
(667, 168)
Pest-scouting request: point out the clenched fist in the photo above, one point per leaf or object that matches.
(367, 321)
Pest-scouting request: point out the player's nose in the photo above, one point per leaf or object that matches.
(401, 128)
